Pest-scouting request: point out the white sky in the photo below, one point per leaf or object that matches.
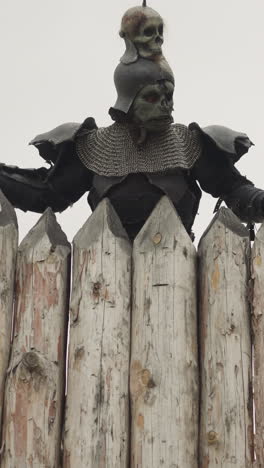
(58, 59)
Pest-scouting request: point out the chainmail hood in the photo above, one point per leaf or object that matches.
(113, 151)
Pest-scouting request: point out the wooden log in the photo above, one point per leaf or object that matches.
(35, 384)
(258, 341)
(97, 407)
(164, 360)
(8, 251)
(226, 431)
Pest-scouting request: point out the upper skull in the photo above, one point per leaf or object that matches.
(143, 26)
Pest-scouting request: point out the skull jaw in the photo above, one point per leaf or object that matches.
(154, 125)
(149, 51)
(136, 50)
(158, 125)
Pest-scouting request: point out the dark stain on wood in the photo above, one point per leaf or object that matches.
(52, 415)
(19, 418)
(96, 291)
(185, 252)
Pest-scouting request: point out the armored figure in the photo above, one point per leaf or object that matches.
(143, 154)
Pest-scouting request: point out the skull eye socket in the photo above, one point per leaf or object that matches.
(152, 98)
(161, 30)
(150, 31)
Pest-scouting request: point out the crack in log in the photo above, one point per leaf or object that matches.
(158, 285)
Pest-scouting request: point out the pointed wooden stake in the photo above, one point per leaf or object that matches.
(8, 251)
(35, 383)
(97, 409)
(164, 368)
(226, 429)
(258, 340)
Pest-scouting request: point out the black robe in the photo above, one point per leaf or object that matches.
(135, 195)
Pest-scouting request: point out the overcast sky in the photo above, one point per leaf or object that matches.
(58, 59)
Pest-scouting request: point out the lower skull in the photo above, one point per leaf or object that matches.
(153, 106)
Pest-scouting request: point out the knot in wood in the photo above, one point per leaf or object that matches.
(32, 361)
(79, 352)
(147, 379)
(96, 289)
(157, 238)
(212, 437)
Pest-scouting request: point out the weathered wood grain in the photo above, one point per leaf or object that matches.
(8, 251)
(35, 383)
(97, 407)
(164, 369)
(258, 340)
(225, 345)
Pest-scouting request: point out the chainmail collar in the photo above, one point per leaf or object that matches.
(113, 151)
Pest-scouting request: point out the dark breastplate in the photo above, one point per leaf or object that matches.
(135, 196)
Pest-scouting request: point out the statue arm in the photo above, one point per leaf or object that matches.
(37, 189)
(219, 177)
(246, 201)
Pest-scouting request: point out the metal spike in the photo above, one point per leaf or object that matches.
(144, 4)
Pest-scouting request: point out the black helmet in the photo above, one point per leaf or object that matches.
(130, 79)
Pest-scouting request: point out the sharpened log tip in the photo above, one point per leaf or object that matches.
(7, 212)
(114, 222)
(260, 234)
(226, 217)
(103, 217)
(163, 229)
(53, 229)
(47, 224)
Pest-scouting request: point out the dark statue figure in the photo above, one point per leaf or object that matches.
(142, 155)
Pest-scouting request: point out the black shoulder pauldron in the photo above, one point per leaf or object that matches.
(51, 144)
(223, 139)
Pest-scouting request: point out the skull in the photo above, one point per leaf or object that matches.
(143, 27)
(153, 106)
(150, 38)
